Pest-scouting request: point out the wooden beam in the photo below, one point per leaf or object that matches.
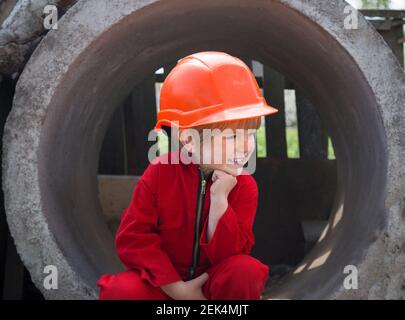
(394, 14)
(273, 89)
(139, 119)
(313, 139)
(393, 36)
(290, 191)
(113, 152)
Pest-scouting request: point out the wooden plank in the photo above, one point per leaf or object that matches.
(273, 89)
(139, 119)
(290, 191)
(394, 14)
(387, 24)
(168, 67)
(390, 27)
(313, 139)
(288, 84)
(115, 193)
(247, 61)
(113, 152)
(392, 37)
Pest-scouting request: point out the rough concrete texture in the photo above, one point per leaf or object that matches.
(382, 270)
(22, 30)
(79, 74)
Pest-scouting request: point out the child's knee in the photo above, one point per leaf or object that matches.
(238, 277)
(119, 286)
(248, 268)
(126, 285)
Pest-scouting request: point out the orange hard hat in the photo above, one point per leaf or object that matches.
(209, 87)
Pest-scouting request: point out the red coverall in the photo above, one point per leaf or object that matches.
(155, 239)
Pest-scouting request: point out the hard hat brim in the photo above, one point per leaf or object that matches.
(229, 114)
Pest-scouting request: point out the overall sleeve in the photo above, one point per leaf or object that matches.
(138, 245)
(233, 233)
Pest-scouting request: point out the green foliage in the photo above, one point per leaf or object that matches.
(375, 4)
(331, 151)
(293, 150)
(261, 142)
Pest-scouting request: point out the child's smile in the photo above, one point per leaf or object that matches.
(228, 151)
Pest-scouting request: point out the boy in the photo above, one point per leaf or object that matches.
(187, 233)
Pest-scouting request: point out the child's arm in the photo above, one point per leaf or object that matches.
(228, 230)
(217, 209)
(137, 243)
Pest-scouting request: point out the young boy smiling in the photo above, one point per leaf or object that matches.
(187, 232)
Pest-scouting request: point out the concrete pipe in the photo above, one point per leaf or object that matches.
(79, 73)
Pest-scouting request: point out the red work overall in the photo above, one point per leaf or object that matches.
(156, 238)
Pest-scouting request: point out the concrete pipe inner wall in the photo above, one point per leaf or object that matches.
(81, 72)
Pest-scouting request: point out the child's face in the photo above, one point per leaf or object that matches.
(228, 150)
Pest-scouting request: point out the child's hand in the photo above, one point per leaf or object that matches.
(223, 183)
(193, 288)
(187, 290)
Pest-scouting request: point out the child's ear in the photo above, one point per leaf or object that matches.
(187, 147)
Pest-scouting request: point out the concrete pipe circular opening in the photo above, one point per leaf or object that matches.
(102, 49)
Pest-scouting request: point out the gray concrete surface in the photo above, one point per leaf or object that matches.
(81, 72)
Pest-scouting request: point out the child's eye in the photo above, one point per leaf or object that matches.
(231, 137)
(252, 134)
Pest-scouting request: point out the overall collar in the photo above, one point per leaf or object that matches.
(185, 160)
